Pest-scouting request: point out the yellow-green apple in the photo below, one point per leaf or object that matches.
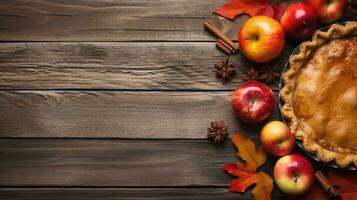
(293, 174)
(253, 102)
(299, 21)
(277, 139)
(261, 39)
(328, 10)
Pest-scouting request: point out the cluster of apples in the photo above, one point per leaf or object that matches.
(293, 173)
(253, 102)
(261, 39)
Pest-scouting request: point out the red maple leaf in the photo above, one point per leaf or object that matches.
(246, 176)
(247, 173)
(251, 7)
(279, 10)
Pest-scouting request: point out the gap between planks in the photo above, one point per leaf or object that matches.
(113, 114)
(176, 193)
(119, 163)
(119, 66)
(109, 20)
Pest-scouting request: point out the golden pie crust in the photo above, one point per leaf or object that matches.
(320, 94)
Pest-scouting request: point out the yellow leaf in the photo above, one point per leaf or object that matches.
(247, 151)
(263, 188)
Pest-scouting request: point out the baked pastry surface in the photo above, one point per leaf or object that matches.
(320, 94)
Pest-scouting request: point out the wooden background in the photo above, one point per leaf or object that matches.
(111, 99)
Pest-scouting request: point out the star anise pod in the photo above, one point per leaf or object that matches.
(225, 70)
(217, 132)
(270, 73)
(251, 74)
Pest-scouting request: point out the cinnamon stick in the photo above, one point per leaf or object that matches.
(328, 188)
(224, 37)
(226, 45)
(223, 48)
(213, 28)
(220, 34)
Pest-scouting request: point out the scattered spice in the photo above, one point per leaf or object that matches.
(270, 73)
(223, 43)
(225, 70)
(328, 188)
(267, 74)
(344, 181)
(251, 75)
(217, 132)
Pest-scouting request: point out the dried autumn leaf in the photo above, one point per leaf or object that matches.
(247, 172)
(263, 188)
(279, 10)
(247, 177)
(251, 7)
(248, 152)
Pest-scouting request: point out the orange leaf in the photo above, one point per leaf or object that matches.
(247, 151)
(251, 7)
(247, 173)
(264, 187)
(246, 177)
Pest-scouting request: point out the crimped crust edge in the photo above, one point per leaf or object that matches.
(296, 62)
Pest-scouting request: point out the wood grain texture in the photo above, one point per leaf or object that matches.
(101, 114)
(110, 20)
(119, 163)
(125, 194)
(120, 66)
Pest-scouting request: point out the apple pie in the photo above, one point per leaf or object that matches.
(320, 94)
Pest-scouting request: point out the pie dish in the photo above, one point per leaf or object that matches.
(320, 94)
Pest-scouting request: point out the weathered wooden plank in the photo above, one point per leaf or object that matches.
(110, 20)
(93, 114)
(113, 20)
(125, 194)
(117, 163)
(142, 66)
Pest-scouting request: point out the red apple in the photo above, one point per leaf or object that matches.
(299, 21)
(328, 10)
(253, 102)
(293, 174)
(261, 39)
(277, 139)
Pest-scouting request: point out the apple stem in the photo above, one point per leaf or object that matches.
(256, 38)
(304, 24)
(296, 178)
